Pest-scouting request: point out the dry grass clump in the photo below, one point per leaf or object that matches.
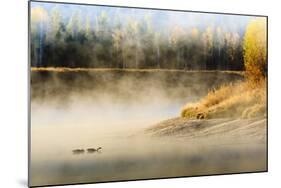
(241, 99)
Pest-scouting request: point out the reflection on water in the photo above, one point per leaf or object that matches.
(101, 120)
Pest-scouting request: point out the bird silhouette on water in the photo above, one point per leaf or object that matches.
(89, 150)
(78, 151)
(93, 150)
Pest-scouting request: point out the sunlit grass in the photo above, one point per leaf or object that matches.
(241, 99)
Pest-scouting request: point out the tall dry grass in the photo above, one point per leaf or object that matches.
(241, 100)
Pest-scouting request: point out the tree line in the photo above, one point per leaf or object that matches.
(109, 42)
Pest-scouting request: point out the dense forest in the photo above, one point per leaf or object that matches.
(112, 42)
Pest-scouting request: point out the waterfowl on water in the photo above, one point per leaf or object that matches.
(78, 151)
(89, 150)
(92, 150)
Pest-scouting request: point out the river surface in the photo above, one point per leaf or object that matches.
(83, 110)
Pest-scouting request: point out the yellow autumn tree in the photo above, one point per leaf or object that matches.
(255, 50)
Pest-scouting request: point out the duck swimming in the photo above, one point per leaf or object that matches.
(92, 150)
(78, 151)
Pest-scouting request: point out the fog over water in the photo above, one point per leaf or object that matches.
(80, 110)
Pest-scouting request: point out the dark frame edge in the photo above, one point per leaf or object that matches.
(29, 96)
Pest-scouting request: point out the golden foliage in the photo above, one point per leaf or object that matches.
(194, 33)
(208, 38)
(38, 14)
(255, 50)
(177, 35)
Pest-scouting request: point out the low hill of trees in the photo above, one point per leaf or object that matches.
(80, 42)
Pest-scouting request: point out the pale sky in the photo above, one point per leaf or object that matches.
(160, 19)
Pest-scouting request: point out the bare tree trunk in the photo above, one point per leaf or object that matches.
(178, 59)
(158, 57)
(122, 59)
(136, 54)
(40, 45)
(136, 57)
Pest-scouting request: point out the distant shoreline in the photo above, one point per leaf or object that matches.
(67, 69)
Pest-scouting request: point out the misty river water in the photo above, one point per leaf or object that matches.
(80, 110)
